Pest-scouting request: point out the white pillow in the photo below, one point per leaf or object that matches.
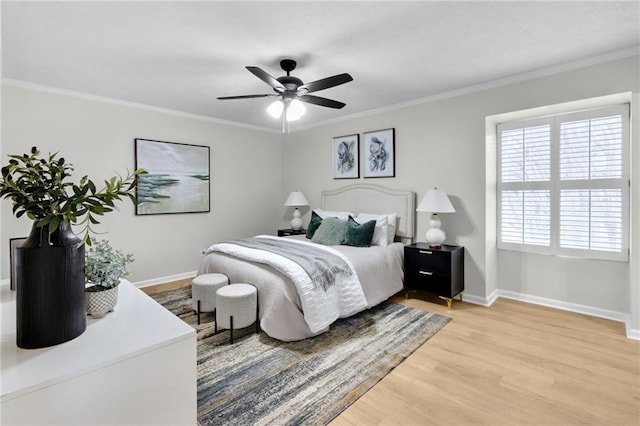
(380, 233)
(332, 213)
(392, 220)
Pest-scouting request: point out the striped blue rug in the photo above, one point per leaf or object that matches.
(262, 381)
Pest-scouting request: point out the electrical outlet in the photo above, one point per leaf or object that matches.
(203, 251)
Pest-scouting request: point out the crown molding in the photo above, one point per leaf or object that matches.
(518, 78)
(120, 102)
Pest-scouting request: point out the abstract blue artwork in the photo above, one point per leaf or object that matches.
(346, 157)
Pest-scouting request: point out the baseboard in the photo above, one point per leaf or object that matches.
(557, 304)
(166, 279)
(565, 306)
(575, 307)
(477, 300)
(631, 332)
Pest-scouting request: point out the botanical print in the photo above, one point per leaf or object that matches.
(378, 155)
(177, 179)
(345, 157)
(379, 148)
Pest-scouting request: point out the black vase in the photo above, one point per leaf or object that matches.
(50, 300)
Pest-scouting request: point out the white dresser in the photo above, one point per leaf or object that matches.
(136, 365)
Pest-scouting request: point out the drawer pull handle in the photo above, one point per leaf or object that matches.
(426, 273)
(425, 252)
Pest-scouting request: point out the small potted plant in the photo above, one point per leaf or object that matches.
(104, 266)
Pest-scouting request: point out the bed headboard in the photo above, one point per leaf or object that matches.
(367, 198)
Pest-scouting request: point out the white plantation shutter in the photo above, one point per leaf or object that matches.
(526, 217)
(563, 184)
(525, 180)
(526, 154)
(591, 219)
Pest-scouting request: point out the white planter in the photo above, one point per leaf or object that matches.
(101, 302)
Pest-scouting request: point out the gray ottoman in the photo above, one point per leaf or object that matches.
(203, 291)
(236, 307)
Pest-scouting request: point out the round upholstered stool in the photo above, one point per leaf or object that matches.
(203, 291)
(236, 307)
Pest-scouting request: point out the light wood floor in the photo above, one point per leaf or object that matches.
(512, 363)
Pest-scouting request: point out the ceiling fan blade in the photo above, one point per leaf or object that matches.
(325, 83)
(246, 96)
(264, 76)
(317, 100)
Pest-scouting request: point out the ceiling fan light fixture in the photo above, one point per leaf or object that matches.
(275, 109)
(295, 110)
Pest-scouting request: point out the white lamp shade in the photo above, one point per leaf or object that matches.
(436, 201)
(296, 198)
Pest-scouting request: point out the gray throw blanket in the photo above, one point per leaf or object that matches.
(321, 266)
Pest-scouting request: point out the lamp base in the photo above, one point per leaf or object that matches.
(296, 222)
(435, 236)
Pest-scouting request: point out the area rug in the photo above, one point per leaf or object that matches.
(263, 381)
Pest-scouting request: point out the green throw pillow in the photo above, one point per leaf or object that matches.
(330, 232)
(359, 235)
(314, 223)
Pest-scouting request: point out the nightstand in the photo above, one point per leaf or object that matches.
(287, 232)
(434, 270)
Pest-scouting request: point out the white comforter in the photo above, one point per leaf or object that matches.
(282, 316)
(320, 307)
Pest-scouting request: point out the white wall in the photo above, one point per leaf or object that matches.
(98, 139)
(439, 143)
(442, 143)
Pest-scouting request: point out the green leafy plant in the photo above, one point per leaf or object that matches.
(104, 266)
(39, 188)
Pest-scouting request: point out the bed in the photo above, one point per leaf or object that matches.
(287, 316)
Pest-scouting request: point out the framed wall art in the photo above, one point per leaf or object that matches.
(346, 157)
(177, 180)
(14, 243)
(379, 153)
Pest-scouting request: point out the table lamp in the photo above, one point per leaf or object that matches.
(296, 199)
(435, 201)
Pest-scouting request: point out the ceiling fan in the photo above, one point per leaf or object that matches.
(291, 89)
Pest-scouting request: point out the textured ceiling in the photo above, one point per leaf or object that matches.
(182, 55)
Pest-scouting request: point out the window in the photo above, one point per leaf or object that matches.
(563, 184)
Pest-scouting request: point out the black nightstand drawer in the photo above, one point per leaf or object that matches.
(437, 260)
(429, 281)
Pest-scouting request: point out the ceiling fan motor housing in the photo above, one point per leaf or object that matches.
(290, 83)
